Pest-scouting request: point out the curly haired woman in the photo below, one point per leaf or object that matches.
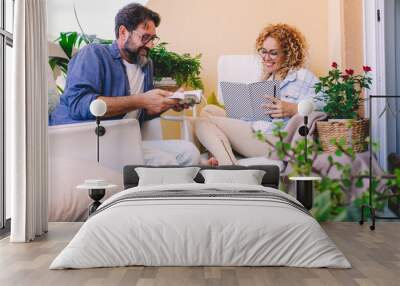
(283, 52)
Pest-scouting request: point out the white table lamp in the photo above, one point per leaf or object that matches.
(98, 107)
(305, 107)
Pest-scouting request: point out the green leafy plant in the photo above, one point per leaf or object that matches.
(342, 91)
(68, 41)
(332, 197)
(184, 68)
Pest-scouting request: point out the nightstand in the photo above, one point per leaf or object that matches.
(304, 189)
(97, 190)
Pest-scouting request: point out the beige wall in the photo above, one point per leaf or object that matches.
(352, 47)
(214, 28)
(353, 34)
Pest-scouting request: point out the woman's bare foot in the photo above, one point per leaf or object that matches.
(212, 161)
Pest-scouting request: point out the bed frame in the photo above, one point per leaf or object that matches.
(270, 179)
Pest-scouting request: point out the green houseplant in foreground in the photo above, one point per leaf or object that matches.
(332, 198)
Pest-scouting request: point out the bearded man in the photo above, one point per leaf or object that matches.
(121, 74)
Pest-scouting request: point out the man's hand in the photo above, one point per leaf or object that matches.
(179, 107)
(156, 101)
(280, 108)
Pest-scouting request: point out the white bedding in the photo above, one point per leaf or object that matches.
(182, 231)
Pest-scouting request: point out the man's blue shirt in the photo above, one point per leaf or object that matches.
(96, 70)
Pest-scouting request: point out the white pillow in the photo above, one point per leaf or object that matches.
(166, 176)
(248, 177)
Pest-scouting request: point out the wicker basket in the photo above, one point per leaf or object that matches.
(354, 132)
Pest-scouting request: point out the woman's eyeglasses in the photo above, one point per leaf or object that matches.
(273, 54)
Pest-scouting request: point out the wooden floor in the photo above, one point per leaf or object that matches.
(375, 257)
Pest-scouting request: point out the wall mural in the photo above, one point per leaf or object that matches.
(328, 142)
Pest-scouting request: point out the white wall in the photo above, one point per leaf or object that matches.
(95, 16)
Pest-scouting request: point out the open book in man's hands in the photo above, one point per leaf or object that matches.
(190, 97)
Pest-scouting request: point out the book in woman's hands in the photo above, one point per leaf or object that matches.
(190, 97)
(244, 101)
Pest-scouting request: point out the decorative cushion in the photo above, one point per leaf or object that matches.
(248, 177)
(163, 176)
(261, 161)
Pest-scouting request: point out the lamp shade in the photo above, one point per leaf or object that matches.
(98, 107)
(305, 107)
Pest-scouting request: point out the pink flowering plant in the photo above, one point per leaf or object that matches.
(341, 91)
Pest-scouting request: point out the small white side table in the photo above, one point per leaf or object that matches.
(186, 133)
(97, 190)
(304, 189)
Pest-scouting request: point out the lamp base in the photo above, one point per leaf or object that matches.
(100, 130)
(96, 195)
(304, 193)
(303, 130)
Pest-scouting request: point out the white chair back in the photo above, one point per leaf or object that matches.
(238, 68)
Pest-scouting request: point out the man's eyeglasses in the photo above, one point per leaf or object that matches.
(273, 54)
(146, 38)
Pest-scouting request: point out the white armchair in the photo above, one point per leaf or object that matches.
(72, 159)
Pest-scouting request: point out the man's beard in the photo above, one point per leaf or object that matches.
(134, 55)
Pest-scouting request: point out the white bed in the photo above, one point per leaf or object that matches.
(249, 225)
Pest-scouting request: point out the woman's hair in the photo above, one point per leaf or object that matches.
(292, 42)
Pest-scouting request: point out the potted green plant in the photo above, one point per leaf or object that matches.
(342, 95)
(172, 70)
